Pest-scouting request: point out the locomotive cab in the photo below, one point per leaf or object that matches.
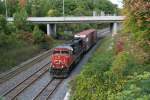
(61, 59)
(64, 57)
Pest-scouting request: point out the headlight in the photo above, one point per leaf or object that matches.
(52, 66)
(62, 66)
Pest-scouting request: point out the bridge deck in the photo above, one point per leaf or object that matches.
(81, 19)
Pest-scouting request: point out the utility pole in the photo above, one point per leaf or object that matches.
(63, 8)
(6, 13)
(94, 12)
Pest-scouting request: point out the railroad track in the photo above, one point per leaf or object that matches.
(19, 88)
(23, 66)
(49, 89)
(44, 94)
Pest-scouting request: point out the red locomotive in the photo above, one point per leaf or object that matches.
(64, 57)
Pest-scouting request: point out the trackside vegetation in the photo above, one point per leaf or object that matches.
(18, 42)
(109, 75)
(120, 67)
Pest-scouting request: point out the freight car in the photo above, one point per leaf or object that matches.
(89, 37)
(64, 57)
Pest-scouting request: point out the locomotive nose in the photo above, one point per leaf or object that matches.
(59, 61)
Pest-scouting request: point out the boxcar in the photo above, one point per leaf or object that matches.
(88, 36)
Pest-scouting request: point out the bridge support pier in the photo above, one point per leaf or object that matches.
(51, 30)
(114, 28)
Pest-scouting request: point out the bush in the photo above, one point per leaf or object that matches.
(11, 28)
(3, 24)
(67, 35)
(48, 42)
(137, 86)
(108, 76)
(9, 41)
(38, 35)
(138, 22)
(20, 20)
(9, 58)
(120, 64)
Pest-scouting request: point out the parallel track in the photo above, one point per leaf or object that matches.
(23, 66)
(18, 89)
(49, 89)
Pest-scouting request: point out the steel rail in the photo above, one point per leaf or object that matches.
(14, 92)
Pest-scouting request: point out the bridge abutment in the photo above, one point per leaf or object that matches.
(51, 30)
(114, 28)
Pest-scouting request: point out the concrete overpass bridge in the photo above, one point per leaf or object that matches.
(52, 21)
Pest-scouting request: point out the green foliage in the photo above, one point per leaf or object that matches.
(6, 28)
(52, 13)
(3, 24)
(67, 35)
(106, 6)
(120, 63)
(11, 28)
(2, 7)
(138, 22)
(20, 18)
(108, 76)
(9, 57)
(14, 36)
(12, 7)
(38, 35)
(137, 87)
(9, 41)
(72, 7)
(34, 7)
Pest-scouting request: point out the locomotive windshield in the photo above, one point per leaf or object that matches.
(61, 52)
(56, 52)
(65, 52)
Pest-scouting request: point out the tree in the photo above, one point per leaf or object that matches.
(38, 35)
(138, 21)
(20, 18)
(2, 7)
(22, 3)
(3, 24)
(52, 13)
(12, 7)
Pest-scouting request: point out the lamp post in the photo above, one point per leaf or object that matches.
(6, 13)
(94, 11)
(63, 8)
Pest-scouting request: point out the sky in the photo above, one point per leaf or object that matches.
(118, 2)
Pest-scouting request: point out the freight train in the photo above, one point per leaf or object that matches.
(65, 56)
